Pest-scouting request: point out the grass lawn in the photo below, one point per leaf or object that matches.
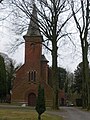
(24, 114)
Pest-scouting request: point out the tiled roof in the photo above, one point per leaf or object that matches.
(43, 59)
(33, 29)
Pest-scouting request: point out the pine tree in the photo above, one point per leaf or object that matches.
(40, 103)
(3, 85)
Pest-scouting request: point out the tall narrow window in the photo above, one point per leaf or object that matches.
(32, 76)
(29, 76)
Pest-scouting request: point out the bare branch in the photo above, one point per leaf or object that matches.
(1, 1)
(75, 18)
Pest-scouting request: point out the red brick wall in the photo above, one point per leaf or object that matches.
(22, 86)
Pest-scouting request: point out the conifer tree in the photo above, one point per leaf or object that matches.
(40, 103)
(3, 85)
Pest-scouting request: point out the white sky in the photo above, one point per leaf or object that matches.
(69, 56)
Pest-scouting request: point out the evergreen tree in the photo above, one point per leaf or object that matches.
(10, 75)
(78, 79)
(80, 85)
(3, 84)
(10, 71)
(40, 103)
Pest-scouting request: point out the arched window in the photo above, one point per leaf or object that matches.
(32, 76)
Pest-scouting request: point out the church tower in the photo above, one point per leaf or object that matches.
(34, 70)
(33, 47)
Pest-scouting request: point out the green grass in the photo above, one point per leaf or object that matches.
(24, 114)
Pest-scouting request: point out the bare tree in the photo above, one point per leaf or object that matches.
(82, 21)
(1, 1)
(51, 23)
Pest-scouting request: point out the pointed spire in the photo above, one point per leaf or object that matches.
(33, 29)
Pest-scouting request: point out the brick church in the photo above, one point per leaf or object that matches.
(35, 70)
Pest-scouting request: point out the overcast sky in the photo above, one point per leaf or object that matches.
(69, 54)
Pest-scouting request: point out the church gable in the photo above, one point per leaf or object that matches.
(34, 70)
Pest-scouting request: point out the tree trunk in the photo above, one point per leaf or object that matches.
(86, 71)
(55, 82)
(39, 117)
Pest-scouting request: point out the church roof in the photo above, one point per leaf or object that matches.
(33, 29)
(43, 59)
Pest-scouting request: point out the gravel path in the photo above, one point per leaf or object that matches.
(72, 113)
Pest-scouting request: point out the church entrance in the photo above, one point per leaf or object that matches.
(31, 99)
